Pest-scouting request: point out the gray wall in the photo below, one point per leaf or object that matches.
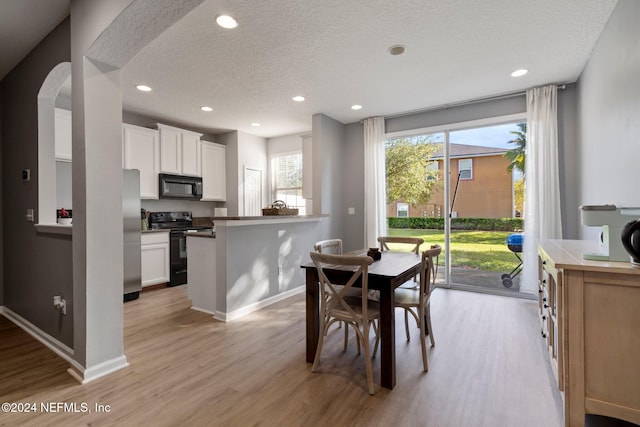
(151, 122)
(328, 175)
(354, 186)
(1, 208)
(609, 115)
(354, 148)
(36, 266)
(252, 270)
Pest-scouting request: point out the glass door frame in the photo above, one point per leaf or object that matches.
(446, 130)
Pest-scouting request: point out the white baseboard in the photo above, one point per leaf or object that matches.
(47, 340)
(213, 313)
(84, 376)
(236, 314)
(78, 372)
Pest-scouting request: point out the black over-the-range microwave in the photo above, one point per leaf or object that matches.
(180, 187)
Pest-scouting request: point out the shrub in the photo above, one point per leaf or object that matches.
(485, 224)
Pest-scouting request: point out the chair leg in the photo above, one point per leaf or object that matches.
(406, 324)
(367, 359)
(316, 360)
(429, 328)
(346, 335)
(377, 331)
(423, 343)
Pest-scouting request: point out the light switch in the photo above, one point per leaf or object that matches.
(30, 215)
(352, 211)
(26, 175)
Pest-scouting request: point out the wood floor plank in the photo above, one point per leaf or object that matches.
(488, 368)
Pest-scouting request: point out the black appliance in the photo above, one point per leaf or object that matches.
(180, 187)
(179, 224)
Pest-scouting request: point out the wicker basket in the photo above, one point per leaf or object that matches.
(279, 208)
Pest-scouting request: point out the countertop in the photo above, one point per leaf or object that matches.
(266, 217)
(206, 234)
(567, 254)
(155, 231)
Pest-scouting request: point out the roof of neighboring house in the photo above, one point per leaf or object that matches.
(464, 150)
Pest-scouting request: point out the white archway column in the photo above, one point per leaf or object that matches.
(105, 35)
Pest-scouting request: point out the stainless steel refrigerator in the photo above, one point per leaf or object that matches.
(131, 222)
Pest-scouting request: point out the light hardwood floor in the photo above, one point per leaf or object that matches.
(488, 368)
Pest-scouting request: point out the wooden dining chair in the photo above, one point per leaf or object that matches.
(413, 242)
(410, 299)
(337, 304)
(330, 246)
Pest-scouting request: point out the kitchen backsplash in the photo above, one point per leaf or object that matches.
(197, 208)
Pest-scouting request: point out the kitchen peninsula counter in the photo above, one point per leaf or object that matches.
(252, 262)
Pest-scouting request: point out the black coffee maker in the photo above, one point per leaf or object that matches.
(631, 241)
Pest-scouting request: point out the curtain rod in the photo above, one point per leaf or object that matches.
(462, 103)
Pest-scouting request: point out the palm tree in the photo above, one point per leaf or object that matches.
(516, 156)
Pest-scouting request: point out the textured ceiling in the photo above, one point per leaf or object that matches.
(334, 53)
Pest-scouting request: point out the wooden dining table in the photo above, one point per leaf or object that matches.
(386, 274)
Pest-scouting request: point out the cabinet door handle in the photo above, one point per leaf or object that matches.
(544, 262)
(544, 281)
(544, 317)
(544, 299)
(540, 291)
(543, 334)
(545, 306)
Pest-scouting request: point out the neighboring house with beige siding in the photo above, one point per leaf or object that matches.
(485, 189)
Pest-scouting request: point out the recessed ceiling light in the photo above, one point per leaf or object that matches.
(207, 109)
(143, 88)
(397, 49)
(356, 107)
(225, 21)
(255, 124)
(298, 98)
(519, 73)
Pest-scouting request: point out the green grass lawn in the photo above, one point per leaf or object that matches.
(484, 250)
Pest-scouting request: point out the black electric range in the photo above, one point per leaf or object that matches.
(179, 224)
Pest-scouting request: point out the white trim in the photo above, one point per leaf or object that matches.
(490, 121)
(277, 219)
(228, 317)
(202, 310)
(47, 340)
(84, 376)
(66, 229)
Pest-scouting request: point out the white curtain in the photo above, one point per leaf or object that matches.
(375, 217)
(542, 188)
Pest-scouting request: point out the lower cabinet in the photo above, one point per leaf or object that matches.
(155, 258)
(590, 312)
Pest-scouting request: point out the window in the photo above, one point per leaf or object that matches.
(465, 167)
(402, 210)
(286, 170)
(432, 171)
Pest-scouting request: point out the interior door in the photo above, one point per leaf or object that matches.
(252, 192)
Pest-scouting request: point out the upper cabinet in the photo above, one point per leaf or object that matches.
(63, 135)
(307, 167)
(180, 151)
(141, 150)
(214, 183)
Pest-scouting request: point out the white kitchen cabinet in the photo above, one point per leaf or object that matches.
(214, 172)
(179, 151)
(63, 135)
(141, 150)
(155, 258)
(307, 167)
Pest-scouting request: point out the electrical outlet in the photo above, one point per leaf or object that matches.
(352, 211)
(60, 304)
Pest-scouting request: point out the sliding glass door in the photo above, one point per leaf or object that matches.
(466, 194)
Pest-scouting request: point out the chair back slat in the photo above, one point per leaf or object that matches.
(429, 269)
(415, 241)
(330, 246)
(356, 267)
